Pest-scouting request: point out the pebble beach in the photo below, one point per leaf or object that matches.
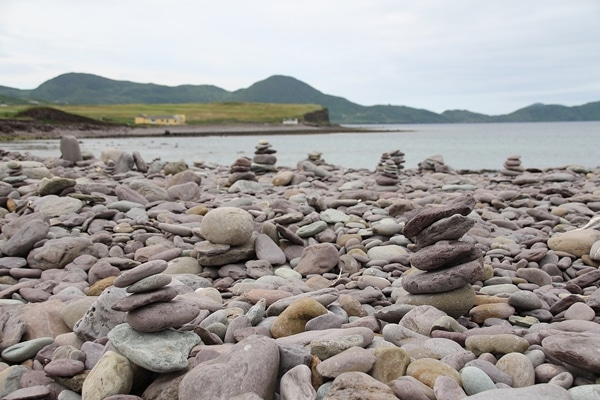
(123, 278)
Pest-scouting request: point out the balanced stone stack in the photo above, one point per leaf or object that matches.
(388, 174)
(443, 267)
(264, 159)
(151, 306)
(15, 175)
(396, 156)
(434, 163)
(241, 170)
(512, 166)
(315, 157)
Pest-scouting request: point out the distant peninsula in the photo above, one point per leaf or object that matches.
(81, 88)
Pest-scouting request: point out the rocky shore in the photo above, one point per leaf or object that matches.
(122, 279)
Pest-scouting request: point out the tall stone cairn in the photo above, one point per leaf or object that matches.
(512, 166)
(151, 305)
(389, 167)
(316, 157)
(264, 159)
(443, 267)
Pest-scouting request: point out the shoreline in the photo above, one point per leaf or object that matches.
(237, 129)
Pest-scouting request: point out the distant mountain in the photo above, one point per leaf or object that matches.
(79, 88)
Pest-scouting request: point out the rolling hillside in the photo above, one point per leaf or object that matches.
(78, 88)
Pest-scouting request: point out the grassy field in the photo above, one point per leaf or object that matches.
(195, 113)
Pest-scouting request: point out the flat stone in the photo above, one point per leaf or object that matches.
(575, 242)
(444, 254)
(462, 205)
(455, 302)
(159, 316)
(140, 272)
(149, 283)
(443, 280)
(496, 344)
(450, 228)
(577, 349)
(354, 359)
(26, 236)
(161, 352)
(25, 350)
(29, 393)
(138, 300)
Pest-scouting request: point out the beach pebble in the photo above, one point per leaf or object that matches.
(113, 374)
(519, 368)
(22, 351)
(227, 225)
(250, 366)
(317, 259)
(296, 384)
(294, 318)
(536, 392)
(351, 382)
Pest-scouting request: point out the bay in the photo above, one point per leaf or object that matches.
(462, 146)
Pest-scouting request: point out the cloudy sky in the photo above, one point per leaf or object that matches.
(491, 57)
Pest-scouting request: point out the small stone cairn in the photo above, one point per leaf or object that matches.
(241, 170)
(512, 166)
(316, 157)
(264, 159)
(388, 168)
(443, 267)
(150, 296)
(434, 163)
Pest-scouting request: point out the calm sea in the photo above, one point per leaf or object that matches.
(462, 146)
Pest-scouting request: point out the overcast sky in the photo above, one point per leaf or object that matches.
(491, 57)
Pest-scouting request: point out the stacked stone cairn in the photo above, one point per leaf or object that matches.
(434, 163)
(315, 157)
(150, 296)
(443, 266)
(264, 159)
(512, 166)
(389, 166)
(241, 170)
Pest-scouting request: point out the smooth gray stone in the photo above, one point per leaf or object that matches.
(69, 149)
(161, 352)
(25, 350)
(475, 380)
(100, 317)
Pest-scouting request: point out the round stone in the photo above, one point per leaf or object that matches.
(227, 225)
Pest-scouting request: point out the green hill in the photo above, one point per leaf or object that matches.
(78, 88)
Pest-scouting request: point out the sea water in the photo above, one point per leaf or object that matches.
(462, 146)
